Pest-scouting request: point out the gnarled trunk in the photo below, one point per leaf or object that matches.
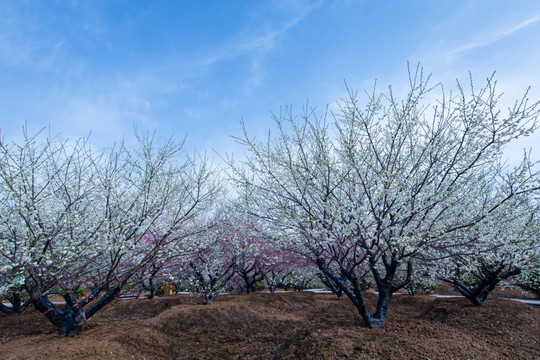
(274, 280)
(385, 285)
(488, 278)
(73, 316)
(250, 276)
(213, 284)
(17, 305)
(332, 285)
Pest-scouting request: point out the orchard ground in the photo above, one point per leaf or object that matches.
(292, 325)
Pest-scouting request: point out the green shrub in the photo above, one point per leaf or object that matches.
(81, 292)
(128, 287)
(259, 285)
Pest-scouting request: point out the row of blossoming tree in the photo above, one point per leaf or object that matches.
(230, 254)
(389, 192)
(377, 190)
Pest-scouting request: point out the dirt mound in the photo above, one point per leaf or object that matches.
(136, 309)
(499, 292)
(500, 315)
(282, 326)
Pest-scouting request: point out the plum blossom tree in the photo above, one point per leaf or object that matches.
(303, 276)
(383, 183)
(47, 224)
(213, 262)
(245, 244)
(279, 264)
(249, 268)
(73, 215)
(228, 252)
(493, 250)
(530, 280)
(152, 275)
(171, 264)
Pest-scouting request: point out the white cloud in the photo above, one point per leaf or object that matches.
(246, 42)
(467, 35)
(491, 37)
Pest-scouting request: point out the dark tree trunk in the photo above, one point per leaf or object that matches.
(73, 316)
(150, 287)
(104, 300)
(68, 320)
(17, 305)
(487, 279)
(301, 285)
(332, 285)
(215, 283)
(39, 285)
(274, 280)
(411, 288)
(176, 287)
(385, 286)
(250, 276)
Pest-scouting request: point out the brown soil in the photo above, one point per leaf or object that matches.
(282, 326)
(499, 292)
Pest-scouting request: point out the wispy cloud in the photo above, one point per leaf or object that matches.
(468, 42)
(254, 42)
(250, 40)
(492, 37)
(25, 42)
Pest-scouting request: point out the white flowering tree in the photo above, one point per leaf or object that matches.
(48, 224)
(530, 280)
(385, 182)
(498, 248)
(213, 261)
(76, 217)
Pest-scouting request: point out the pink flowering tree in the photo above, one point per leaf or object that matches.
(154, 274)
(251, 248)
(279, 265)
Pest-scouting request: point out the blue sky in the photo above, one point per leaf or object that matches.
(198, 67)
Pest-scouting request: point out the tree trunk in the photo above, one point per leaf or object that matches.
(274, 280)
(383, 300)
(17, 305)
(70, 319)
(411, 288)
(488, 279)
(386, 288)
(336, 290)
(250, 280)
(211, 288)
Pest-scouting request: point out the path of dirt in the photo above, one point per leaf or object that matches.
(282, 326)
